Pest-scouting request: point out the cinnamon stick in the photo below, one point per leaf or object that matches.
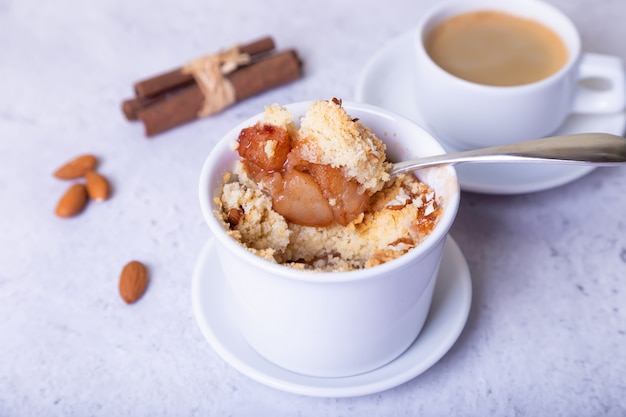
(184, 105)
(176, 78)
(181, 108)
(132, 106)
(268, 73)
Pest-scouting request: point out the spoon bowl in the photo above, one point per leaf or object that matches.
(600, 149)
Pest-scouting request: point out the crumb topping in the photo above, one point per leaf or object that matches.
(335, 151)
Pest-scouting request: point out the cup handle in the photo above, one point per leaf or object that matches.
(610, 71)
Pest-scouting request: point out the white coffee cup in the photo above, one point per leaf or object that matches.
(468, 115)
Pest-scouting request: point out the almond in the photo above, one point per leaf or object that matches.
(98, 187)
(77, 167)
(133, 281)
(73, 201)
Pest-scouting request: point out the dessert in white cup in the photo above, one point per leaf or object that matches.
(334, 323)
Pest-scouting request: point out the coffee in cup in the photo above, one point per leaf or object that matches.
(494, 48)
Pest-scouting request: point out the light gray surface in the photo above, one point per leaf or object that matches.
(547, 330)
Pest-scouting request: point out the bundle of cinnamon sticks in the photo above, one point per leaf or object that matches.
(173, 98)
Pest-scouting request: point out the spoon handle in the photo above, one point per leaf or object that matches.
(585, 148)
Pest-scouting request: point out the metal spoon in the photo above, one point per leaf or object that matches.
(602, 149)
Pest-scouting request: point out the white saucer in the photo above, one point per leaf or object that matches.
(387, 81)
(213, 303)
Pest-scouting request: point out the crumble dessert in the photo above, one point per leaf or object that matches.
(317, 194)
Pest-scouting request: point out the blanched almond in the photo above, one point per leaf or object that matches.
(73, 201)
(77, 167)
(98, 187)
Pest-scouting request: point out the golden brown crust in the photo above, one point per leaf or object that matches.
(400, 215)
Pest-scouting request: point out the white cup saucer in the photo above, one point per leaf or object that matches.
(388, 81)
(215, 311)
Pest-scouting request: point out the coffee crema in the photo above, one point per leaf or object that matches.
(495, 48)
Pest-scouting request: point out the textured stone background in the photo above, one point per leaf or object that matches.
(547, 329)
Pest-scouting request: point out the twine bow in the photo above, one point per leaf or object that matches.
(210, 73)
